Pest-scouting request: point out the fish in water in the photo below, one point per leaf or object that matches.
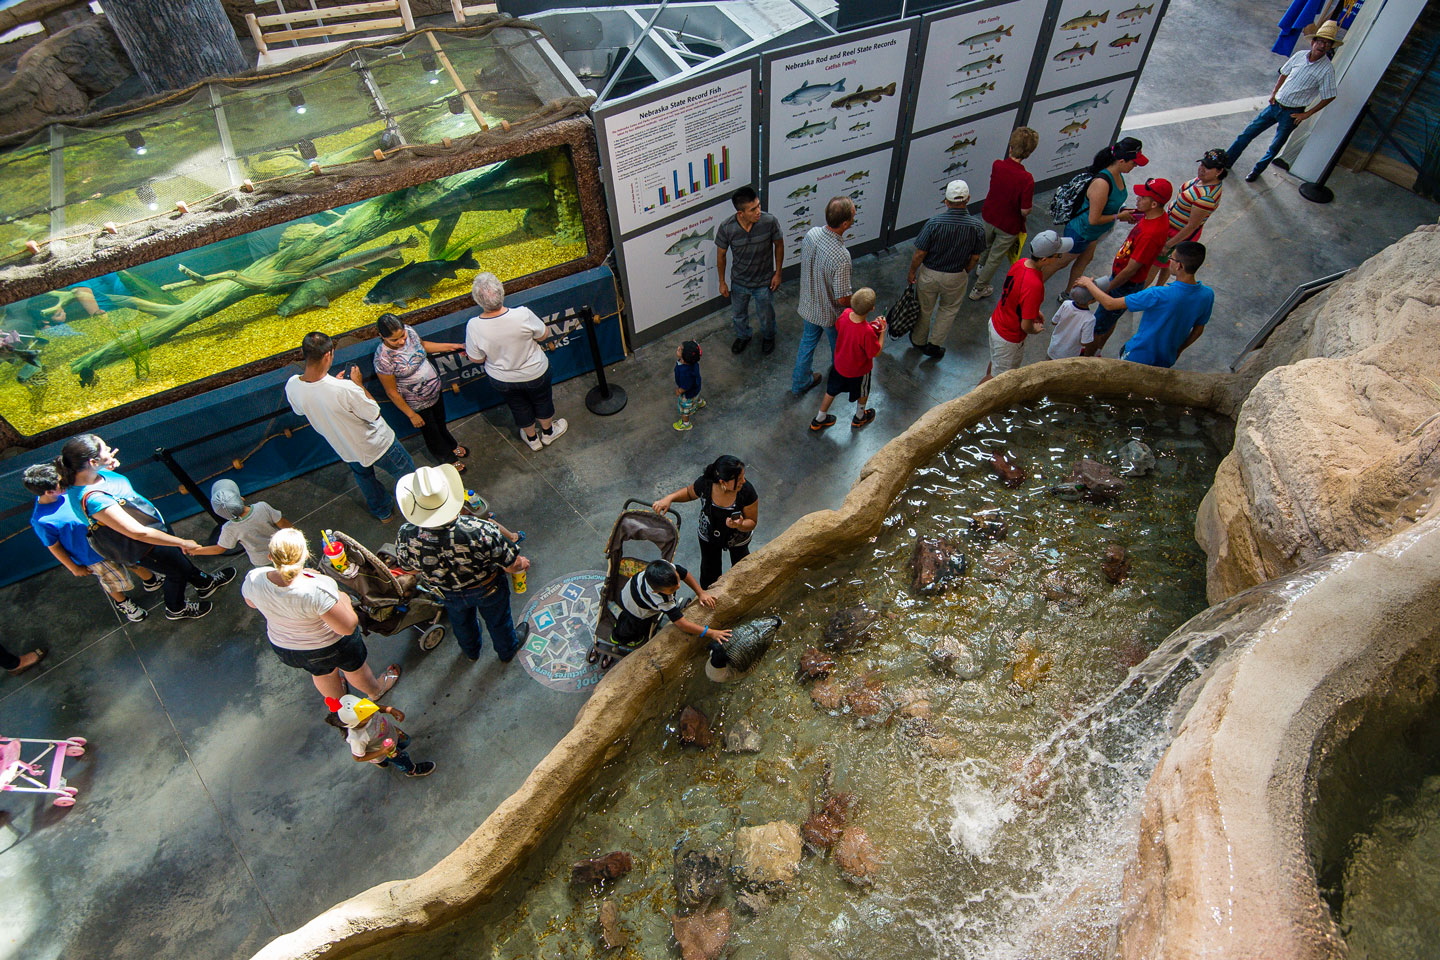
(689, 241)
(799, 192)
(961, 144)
(416, 279)
(1076, 52)
(989, 36)
(957, 166)
(1084, 106)
(693, 265)
(1074, 127)
(1125, 41)
(387, 252)
(800, 211)
(810, 129)
(692, 283)
(1067, 147)
(318, 291)
(1085, 21)
(809, 93)
(975, 66)
(1134, 13)
(977, 91)
(800, 225)
(861, 95)
(861, 126)
(742, 652)
(935, 564)
(857, 175)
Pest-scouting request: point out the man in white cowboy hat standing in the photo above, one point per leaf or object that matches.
(1304, 76)
(464, 558)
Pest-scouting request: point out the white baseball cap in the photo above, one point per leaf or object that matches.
(957, 191)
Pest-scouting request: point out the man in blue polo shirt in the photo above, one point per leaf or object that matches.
(1173, 316)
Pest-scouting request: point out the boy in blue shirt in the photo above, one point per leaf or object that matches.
(61, 530)
(687, 383)
(1173, 316)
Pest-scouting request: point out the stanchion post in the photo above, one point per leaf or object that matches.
(603, 400)
(186, 483)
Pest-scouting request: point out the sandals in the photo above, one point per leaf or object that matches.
(460, 452)
(388, 679)
(459, 466)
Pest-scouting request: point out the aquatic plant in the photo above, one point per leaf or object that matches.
(133, 342)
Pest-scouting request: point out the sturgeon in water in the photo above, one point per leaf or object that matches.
(414, 281)
(738, 656)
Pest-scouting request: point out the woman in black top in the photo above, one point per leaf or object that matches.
(728, 512)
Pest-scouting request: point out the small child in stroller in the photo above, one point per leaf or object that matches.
(650, 593)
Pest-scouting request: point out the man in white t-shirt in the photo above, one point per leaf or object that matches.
(343, 412)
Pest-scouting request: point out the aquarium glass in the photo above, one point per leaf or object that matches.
(121, 337)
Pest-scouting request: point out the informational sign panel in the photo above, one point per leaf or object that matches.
(836, 96)
(1074, 126)
(976, 59)
(965, 151)
(677, 148)
(1093, 39)
(672, 268)
(799, 199)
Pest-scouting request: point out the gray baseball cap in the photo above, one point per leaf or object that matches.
(225, 499)
(1048, 243)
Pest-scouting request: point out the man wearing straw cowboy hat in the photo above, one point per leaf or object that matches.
(465, 559)
(1304, 76)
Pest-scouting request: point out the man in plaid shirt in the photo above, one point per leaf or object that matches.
(824, 288)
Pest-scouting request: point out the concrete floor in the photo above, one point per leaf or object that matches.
(216, 811)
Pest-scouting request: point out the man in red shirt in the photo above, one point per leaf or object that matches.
(1007, 204)
(1135, 265)
(1018, 312)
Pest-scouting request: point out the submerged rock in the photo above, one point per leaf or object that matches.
(996, 563)
(849, 628)
(742, 653)
(815, 664)
(752, 903)
(867, 701)
(702, 936)
(827, 694)
(695, 728)
(856, 855)
(1029, 666)
(1009, 474)
(699, 876)
(1096, 481)
(612, 866)
(935, 564)
(823, 829)
(942, 747)
(742, 737)
(1115, 565)
(1064, 588)
(989, 528)
(1136, 459)
(768, 854)
(612, 935)
(954, 657)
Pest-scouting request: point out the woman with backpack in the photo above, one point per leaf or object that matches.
(127, 529)
(1103, 204)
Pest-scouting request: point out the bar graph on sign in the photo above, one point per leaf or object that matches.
(696, 175)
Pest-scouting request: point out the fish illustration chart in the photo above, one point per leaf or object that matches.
(964, 151)
(977, 61)
(1074, 125)
(671, 268)
(1094, 40)
(799, 200)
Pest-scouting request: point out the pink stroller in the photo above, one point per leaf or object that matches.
(21, 776)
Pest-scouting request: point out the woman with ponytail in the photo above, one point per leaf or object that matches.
(311, 624)
(1104, 204)
(127, 529)
(729, 508)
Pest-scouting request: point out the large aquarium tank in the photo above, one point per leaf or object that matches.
(93, 346)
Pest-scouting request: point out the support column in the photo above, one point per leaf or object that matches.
(174, 43)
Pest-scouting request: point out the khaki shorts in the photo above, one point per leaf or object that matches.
(113, 577)
(1004, 355)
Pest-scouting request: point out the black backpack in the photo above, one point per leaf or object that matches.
(1069, 198)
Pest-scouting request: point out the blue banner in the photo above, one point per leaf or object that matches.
(246, 431)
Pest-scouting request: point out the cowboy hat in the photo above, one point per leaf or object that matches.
(431, 496)
(1329, 30)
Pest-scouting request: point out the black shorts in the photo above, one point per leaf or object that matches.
(853, 387)
(346, 654)
(529, 400)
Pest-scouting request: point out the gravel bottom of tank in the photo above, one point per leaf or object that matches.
(999, 806)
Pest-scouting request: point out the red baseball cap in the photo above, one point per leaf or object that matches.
(1155, 188)
(1128, 148)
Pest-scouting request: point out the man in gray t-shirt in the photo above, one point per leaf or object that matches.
(752, 238)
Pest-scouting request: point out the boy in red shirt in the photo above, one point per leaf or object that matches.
(1136, 263)
(1008, 203)
(1017, 315)
(857, 342)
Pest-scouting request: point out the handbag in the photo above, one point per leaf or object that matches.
(903, 316)
(114, 545)
(1019, 250)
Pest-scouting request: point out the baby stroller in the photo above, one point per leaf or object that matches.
(18, 775)
(637, 523)
(385, 601)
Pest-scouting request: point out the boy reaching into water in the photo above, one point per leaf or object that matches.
(651, 593)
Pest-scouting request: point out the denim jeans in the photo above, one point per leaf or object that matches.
(401, 759)
(764, 298)
(805, 355)
(395, 462)
(1272, 115)
(1105, 320)
(494, 607)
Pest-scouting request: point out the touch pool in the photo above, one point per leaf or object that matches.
(996, 738)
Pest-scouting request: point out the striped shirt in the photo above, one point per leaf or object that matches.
(950, 239)
(638, 599)
(824, 276)
(1305, 81)
(1194, 196)
(752, 252)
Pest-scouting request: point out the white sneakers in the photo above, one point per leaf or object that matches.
(543, 439)
(532, 442)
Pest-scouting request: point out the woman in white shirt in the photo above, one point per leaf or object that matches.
(310, 622)
(507, 341)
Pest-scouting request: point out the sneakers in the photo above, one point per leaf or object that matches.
(818, 424)
(557, 430)
(981, 291)
(740, 344)
(682, 425)
(933, 351)
(130, 609)
(422, 769)
(156, 582)
(191, 611)
(218, 579)
(534, 443)
(701, 404)
(863, 419)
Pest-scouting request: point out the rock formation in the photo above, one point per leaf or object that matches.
(59, 76)
(769, 854)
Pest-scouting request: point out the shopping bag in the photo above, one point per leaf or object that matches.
(902, 317)
(1019, 250)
